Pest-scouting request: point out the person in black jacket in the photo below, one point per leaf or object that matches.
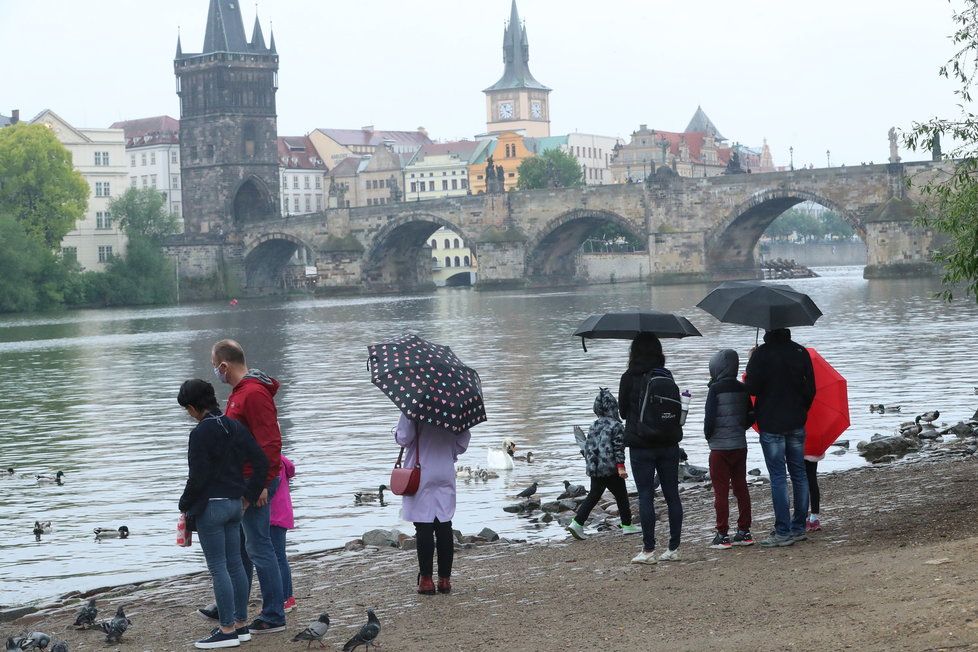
(215, 496)
(781, 377)
(650, 454)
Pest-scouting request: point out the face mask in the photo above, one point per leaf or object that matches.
(222, 375)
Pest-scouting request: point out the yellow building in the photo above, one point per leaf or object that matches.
(506, 151)
(452, 263)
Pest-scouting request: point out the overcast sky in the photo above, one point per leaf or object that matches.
(828, 74)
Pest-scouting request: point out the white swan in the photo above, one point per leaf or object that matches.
(502, 457)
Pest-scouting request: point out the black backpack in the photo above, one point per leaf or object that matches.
(659, 411)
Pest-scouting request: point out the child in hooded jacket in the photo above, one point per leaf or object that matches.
(281, 520)
(604, 455)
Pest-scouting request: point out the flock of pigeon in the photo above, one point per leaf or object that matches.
(367, 636)
(570, 491)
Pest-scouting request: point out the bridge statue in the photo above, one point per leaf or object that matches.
(894, 154)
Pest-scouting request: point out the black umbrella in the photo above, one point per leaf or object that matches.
(626, 325)
(427, 382)
(761, 305)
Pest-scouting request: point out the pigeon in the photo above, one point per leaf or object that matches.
(314, 632)
(754, 472)
(572, 490)
(60, 646)
(51, 479)
(115, 628)
(367, 634)
(86, 615)
(529, 491)
(35, 641)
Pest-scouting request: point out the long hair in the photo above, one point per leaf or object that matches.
(645, 353)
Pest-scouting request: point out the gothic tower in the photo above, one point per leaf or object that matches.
(517, 100)
(228, 130)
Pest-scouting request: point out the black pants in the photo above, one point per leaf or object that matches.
(426, 534)
(616, 485)
(811, 470)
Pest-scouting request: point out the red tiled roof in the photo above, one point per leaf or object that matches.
(298, 153)
(364, 138)
(158, 130)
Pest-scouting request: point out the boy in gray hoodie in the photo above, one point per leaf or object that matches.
(729, 412)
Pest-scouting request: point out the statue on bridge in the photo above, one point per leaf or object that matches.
(894, 155)
(733, 165)
(396, 193)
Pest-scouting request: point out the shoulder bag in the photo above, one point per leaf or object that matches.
(405, 482)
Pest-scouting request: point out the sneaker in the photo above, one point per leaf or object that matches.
(576, 530)
(631, 529)
(244, 634)
(645, 558)
(721, 542)
(289, 605)
(799, 536)
(209, 612)
(670, 555)
(264, 627)
(813, 524)
(218, 639)
(777, 541)
(743, 538)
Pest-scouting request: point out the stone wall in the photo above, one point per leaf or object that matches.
(817, 254)
(602, 268)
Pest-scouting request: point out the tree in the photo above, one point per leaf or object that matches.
(39, 186)
(954, 194)
(552, 169)
(141, 213)
(21, 262)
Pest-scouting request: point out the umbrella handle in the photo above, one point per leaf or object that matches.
(584, 344)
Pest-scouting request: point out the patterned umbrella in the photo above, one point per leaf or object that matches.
(428, 382)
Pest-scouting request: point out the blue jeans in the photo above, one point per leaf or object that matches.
(217, 531)
(646, 462)
(780, 451)
(259, 554)
(278, 542)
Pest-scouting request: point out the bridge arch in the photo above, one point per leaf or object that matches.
(268, 255)
(251, 201)
(730, 244)
(399, 257)
(553, 251)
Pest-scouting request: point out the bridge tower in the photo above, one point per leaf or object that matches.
(228, 130)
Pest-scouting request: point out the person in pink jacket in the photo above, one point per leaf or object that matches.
(431, 509)
(281, 520)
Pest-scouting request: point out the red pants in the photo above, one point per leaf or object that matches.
(729, 468)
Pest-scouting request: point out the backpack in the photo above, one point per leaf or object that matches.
(659, 411)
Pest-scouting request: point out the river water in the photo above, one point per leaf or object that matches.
(92, 393)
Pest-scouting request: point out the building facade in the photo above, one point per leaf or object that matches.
(592, 152)
(228, 127)
(153, 153)
(517, 102)
(303, 176)
(504, 153)
(439, 170)
(334, 145)
(373, 180)
(100, 156)
(452, 263)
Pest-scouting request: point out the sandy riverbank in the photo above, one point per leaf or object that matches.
(896, 568)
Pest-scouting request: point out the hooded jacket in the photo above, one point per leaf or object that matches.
(604, 449)
(280, 506)
(729, 411)
(252, 402)
(780, 375)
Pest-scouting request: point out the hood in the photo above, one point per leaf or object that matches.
(605, 404)
(724, 364)
(779, 336)
(259, 376)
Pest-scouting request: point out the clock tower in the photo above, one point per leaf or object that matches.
(517, 101)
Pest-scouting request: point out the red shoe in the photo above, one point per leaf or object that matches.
(444, 585)
(289, 605)
(425, 585)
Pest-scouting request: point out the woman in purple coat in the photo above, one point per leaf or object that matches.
(431, 509)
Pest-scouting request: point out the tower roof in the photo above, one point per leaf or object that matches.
(701, 123)
(516, 56)
(225, 28)
(257, 38)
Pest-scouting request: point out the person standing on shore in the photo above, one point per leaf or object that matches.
(252, 402)
(214, 495)
(604, 456)
(814, 497)
(432, 507)
(729, 413)
(281, 520)
(652, 451)
(781, 377)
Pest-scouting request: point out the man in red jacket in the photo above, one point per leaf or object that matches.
(252, 402)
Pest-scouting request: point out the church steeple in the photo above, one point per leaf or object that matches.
(179, 47)
(257, 38)
(516, 56)
(271, 43)
(225, 28)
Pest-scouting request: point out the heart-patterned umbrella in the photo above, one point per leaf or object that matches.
(427, 382)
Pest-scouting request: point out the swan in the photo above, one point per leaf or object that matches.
(501, 457)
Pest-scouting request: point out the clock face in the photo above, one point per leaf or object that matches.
(505, 110)
(536, 109)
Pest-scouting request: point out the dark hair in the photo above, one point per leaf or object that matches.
(645, 353)
(199, 394)
(229, 351)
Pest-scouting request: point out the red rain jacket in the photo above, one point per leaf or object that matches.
(252, 402)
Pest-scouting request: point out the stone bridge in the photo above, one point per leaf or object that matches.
(695, 229)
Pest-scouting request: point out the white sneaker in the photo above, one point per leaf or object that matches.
(576, 530)
(645, 558)
(670, 555)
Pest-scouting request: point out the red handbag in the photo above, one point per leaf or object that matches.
(405, 482)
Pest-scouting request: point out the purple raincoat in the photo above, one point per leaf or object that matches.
(440, 449)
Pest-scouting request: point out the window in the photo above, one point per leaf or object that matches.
(444, 184)
(305, 182)
(175, 181)
(346, 203)
(434, 243)
(152, 158)
(458, 261)
(454, 184)
(431, 186)
(69, 253)
(295, 182)
(468, 261)
(448, 261)
(152, 180)
(145, 181)
(448, 244)
(445, 174)
(132, 182)
(455, 243)
(308, 202)
(434, 261)
(285, 205)
(102, 189)
(173, 156)
(104, 253)
(295, 204)
(319, 183)
(176, 208)
(142, 158)
(414, 186)
(132, 160)
(210, 152)
(103, 220)
(319, 202)
(465, 183)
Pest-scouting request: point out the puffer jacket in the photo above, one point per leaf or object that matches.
(729, 411)
(604, 449)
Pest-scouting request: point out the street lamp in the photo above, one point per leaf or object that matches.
(791, 154)
(828, 159)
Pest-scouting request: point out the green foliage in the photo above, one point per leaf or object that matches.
(21, 262)
(954, 195)
(552, 169)
(39, 186)
(141, 213)
(144, 276)
(348, 242)
(809, 226)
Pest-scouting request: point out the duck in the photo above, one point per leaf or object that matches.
(486, 474)
(502, 458)
(122, 532)
(528, 458)
(368, 496)
(884, 409)
(51, 479)
(42, 528)
(10, 470)
(928, 417)
(463, 472)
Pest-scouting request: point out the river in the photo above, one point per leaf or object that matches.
(92, 393)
